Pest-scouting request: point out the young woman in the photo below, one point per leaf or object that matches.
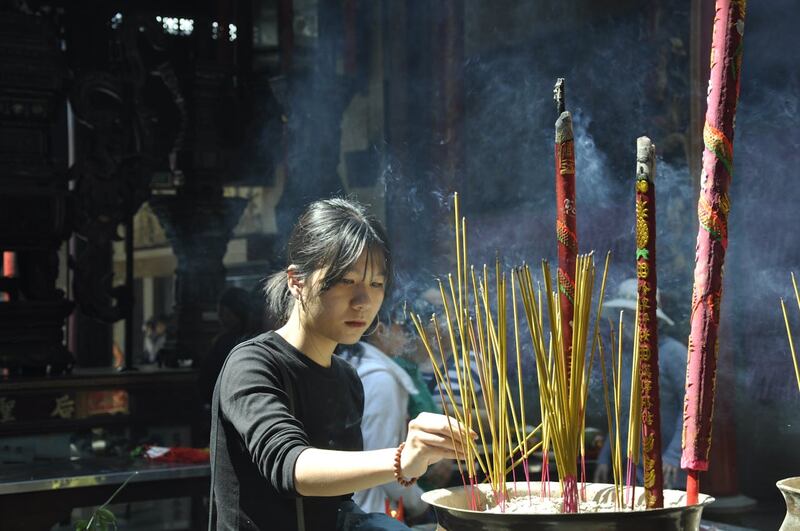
(286, 438)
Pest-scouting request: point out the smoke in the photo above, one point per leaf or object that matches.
(763, 248)
(594, 184)
(615, 94)
(627, 74)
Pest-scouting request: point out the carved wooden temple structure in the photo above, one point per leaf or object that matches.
(155, 153)
(100, 112)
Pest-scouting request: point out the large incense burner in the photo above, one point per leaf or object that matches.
(453, 513)
(790, 488)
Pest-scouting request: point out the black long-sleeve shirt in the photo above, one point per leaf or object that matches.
(259, 440)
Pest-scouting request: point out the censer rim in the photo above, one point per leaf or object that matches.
(789, 484)
(432, 497)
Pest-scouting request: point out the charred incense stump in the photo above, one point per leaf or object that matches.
(559, 95)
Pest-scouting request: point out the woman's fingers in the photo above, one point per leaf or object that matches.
(437, 454)
(426, 449)
(435, 437)
(441, 424)
(435, 440)
(446, 454)
(436, 447)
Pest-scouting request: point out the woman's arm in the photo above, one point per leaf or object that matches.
(253, 401)
(334, 473)
(384, 425)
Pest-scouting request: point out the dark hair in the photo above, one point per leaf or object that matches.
(331, 234)
(154, 320)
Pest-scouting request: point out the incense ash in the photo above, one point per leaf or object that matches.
(551, 505)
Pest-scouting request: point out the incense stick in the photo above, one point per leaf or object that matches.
(477, 328)
(609, 417)
(791, 343)
(634, 411)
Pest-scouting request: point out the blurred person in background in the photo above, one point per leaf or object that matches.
(387, 388)
(234, 313)
(427, 304)
(155, 335)
(672, 375)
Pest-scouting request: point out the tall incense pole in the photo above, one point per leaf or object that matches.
(648, 322)
(712, 238)
(566, 230)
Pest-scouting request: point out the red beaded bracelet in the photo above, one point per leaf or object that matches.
(398, 474)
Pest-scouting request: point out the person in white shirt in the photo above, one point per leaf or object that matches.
(387, 388)
(672, 371)
(155, 336)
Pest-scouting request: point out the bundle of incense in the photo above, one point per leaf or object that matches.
(712, 238)
(586, 375)
(646, 341)
(480, 337)
(613, 402)
(617, 376)
(493, 361)
(562, 391)
(635, 409)
(566, 222)
(612, 416)
(477, 337)
(789, 330)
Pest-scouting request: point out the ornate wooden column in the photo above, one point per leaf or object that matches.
(397, 178)
(199, 227)
(33, 204)
(197, 219)
(447, 143)
(448, 92)
(317, 97)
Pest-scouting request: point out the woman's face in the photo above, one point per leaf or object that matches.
(343, 312)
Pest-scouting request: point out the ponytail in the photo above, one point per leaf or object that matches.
(278, 297)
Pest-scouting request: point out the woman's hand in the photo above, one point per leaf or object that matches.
(430, 439)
